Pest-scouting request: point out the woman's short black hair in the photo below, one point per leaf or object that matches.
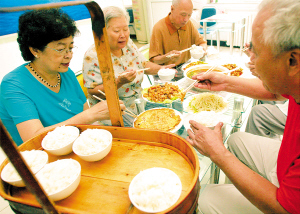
(38, 28)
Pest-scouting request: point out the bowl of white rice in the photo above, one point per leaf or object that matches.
(93, 144)
(206, 118)
(35, 160)
(155, 190)
(60, 140)
(60, 178)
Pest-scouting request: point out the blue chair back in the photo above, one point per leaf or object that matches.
(208, 12)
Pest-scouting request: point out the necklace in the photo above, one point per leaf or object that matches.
(52, 86)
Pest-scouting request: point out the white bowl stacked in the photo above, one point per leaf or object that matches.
(35, 159)
(93, 144)
(60, 140)
(60, 178)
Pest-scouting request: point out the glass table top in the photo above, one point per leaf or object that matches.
(236, 119)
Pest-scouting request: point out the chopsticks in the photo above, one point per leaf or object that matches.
(144, 69)
(211, 69)
(187, 49)
(184, 50)
(190, 86)
(126, 111)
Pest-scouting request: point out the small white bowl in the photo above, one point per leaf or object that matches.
(197, 54)
(98, 140)
(166, 74)
(35, 159)
(158, 181)
(48, 179)
(63, 137)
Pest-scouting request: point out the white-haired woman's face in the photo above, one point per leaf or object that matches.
(118, 33)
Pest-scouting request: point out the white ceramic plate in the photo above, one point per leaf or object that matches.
(165, 102)
(204, 66)
(156, 178)
(176, 127)
(183, 68)
(187, 101)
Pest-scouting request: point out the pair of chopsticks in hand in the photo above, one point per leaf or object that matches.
(184, 50)
(206, 72)
(126, 111)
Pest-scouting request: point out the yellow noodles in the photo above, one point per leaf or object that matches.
(207, 102)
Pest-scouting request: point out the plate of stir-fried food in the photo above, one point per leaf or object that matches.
(166, 93)
(237, 72)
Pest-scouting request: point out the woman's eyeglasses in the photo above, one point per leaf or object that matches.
(65, 51)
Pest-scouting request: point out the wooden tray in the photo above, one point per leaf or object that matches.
(104, 184)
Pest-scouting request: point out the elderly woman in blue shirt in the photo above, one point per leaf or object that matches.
(44, 92)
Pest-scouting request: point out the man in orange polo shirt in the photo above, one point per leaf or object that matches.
(174, 33)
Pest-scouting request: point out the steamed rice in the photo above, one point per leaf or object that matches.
(155, 189)
(60, 137)
(91, 141)
(59, 174)
(35, 160)
(208, 118)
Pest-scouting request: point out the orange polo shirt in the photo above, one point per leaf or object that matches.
(165, 38)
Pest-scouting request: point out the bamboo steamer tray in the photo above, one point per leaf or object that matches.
(104, 184)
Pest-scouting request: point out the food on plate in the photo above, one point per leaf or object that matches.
(207, 102)
(237, 72)
(35, 160)
(195, 71)
(193, 64)
(92, 141)
(163, 119)
(163, 93)
(155, 189)
(61, 136)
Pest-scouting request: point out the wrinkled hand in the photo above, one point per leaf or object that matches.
(212, 81)
(173, 55)
(208, 142)
(127, 76)
(99, 111)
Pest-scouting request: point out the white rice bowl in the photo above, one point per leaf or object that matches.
(93, 144)
(60, 140)
(60, 178)
(35, 159)
(155, 190)
(206, 118)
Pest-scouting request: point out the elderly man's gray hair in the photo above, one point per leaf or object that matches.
(114, 12)
(282, 29)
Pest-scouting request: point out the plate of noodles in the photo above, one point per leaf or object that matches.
(205, 102)
(166, 93)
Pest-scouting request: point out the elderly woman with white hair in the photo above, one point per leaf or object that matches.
(126, 60)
